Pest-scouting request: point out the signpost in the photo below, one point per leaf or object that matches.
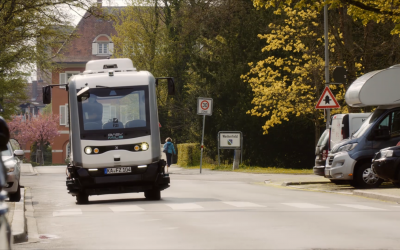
(204, 107)
(230, 140)
(327, 100)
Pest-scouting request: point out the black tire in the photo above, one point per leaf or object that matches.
(15, 197)
(364, 177)
(82, 198)
(154, 194)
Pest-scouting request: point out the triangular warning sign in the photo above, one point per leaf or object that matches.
(327, 100)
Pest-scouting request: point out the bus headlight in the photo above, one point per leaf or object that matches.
(145, 146)
(88, 150)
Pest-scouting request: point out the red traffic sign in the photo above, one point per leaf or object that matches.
(327, 100)
(204, 106)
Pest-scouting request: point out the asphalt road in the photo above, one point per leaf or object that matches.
(214, 210)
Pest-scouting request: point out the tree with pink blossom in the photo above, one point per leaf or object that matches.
(40, 129)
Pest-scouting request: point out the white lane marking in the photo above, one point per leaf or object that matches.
(303, 205)
(360, 207)
(242, 204)
(68, 212)
(128, 208)
(184, 206)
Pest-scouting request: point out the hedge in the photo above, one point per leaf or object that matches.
(188, 154)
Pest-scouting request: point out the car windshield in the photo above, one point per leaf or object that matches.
(324, 138)
(368, 122)
(8, 151)
(117, 108)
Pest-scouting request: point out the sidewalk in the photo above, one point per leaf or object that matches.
(16, 214)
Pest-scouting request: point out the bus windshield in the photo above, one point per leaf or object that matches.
(112, 109)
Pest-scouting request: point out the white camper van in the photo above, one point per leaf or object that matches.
(343, 126)
(114, 133)
(351, 159)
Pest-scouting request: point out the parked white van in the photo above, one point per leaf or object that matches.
(343, 126)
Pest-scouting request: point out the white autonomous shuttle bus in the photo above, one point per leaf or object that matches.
(114, 131)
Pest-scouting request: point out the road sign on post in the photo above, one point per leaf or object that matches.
(327, 100)
(204, 107)
(231, 140)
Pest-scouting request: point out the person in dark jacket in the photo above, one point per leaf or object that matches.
(168, 150)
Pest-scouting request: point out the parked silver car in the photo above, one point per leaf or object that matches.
(5, 229)
(13, 168)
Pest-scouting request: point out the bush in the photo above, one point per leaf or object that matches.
(188, 154)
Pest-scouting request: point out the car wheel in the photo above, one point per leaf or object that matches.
(364, 177)
(154, 194)
(82, 198)
(15, 197)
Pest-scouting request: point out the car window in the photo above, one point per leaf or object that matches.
(14, 144)
(384, 123)
(395, 129)
(324, 138)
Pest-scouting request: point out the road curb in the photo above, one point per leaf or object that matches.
(18, 225)
(385, 197)
(290, 183)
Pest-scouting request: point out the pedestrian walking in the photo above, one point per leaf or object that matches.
(168, 150)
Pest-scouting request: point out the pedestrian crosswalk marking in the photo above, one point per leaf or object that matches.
(242, 204)
(67, 212)
(182, 206)
(303, 205)
(360, 207)
(128, 208)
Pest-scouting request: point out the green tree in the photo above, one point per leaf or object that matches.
(290, 83)
(31, 31)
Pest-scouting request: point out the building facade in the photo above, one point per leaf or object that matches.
(93, 43)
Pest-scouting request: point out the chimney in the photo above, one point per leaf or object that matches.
(99, 3)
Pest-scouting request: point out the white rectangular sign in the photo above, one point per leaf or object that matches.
(204, 106)
(229, 140)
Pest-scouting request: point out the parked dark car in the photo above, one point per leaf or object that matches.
(386, 164)
(321, 152)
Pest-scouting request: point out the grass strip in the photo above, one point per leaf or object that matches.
(253, 169)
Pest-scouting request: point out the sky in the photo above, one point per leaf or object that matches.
(79, 13)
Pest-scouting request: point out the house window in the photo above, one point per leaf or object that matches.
(65, 76)
(64, 118)
(102, 45)
(103, 48)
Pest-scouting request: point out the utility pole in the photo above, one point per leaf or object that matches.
(328, 111)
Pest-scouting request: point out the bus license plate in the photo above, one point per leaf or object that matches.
(118, 170)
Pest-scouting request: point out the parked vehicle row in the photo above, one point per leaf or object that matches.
(376, 139)
(342, 127)
(5, 229)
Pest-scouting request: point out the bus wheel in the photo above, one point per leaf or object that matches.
(154, 194)
(82, 198)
